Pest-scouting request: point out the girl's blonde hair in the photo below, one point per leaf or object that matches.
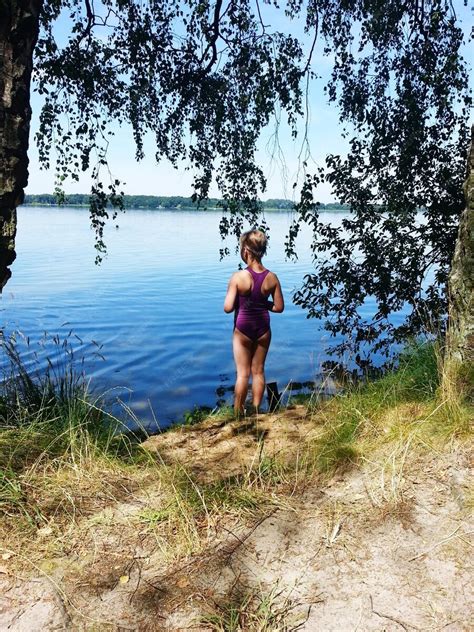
(255, 241)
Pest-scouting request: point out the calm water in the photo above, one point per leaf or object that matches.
(155, 304)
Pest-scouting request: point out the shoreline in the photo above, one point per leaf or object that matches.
(173, 208)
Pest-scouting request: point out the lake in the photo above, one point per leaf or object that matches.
(155, 305)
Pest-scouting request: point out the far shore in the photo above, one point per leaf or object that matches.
(201, 209)
(169, 203)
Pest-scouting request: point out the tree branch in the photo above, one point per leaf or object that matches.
(313, 45)
(215, 36)
(260, 17)
(90, 18)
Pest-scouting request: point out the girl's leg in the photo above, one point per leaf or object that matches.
(243, 348)
(258, 368)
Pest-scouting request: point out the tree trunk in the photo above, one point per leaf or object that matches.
(460, 341)
(19, 26)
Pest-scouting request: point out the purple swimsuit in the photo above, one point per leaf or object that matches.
(251, 311)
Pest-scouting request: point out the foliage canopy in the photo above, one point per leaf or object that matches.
(205, 77)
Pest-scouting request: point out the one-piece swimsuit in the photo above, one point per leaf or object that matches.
(251, 313)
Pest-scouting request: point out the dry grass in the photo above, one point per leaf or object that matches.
(70, 491)
(256, 611)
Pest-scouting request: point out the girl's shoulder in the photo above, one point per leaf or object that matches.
(271, 281)
(271, 276)
(241, 276)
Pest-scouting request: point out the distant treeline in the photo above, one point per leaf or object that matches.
(154, 202)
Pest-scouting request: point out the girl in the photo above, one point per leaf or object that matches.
(247, 295)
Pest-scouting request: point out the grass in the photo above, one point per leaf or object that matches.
(407, 404)
(185, 505)
(256, 610)
(62, 456)
(64, 459)
(196, 415)
(188, 511)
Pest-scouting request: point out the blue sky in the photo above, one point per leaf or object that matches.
(149, 178)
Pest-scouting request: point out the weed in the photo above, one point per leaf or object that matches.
(337, 445)
(196, 415)
(256, 611)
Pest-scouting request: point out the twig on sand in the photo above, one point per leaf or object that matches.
(241, 541)
(405, 626)
(139, 579)
(302, 623)
(233, 534)
(443, 541)
(228, 552)
(62, 599)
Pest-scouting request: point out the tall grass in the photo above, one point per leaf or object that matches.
(407, 399)
(62, 455)
(51, 428)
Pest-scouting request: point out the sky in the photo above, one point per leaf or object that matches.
(282, 168)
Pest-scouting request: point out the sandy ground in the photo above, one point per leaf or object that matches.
(364, 551)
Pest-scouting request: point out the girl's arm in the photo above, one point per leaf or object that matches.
(278, 304)
(229, 303)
